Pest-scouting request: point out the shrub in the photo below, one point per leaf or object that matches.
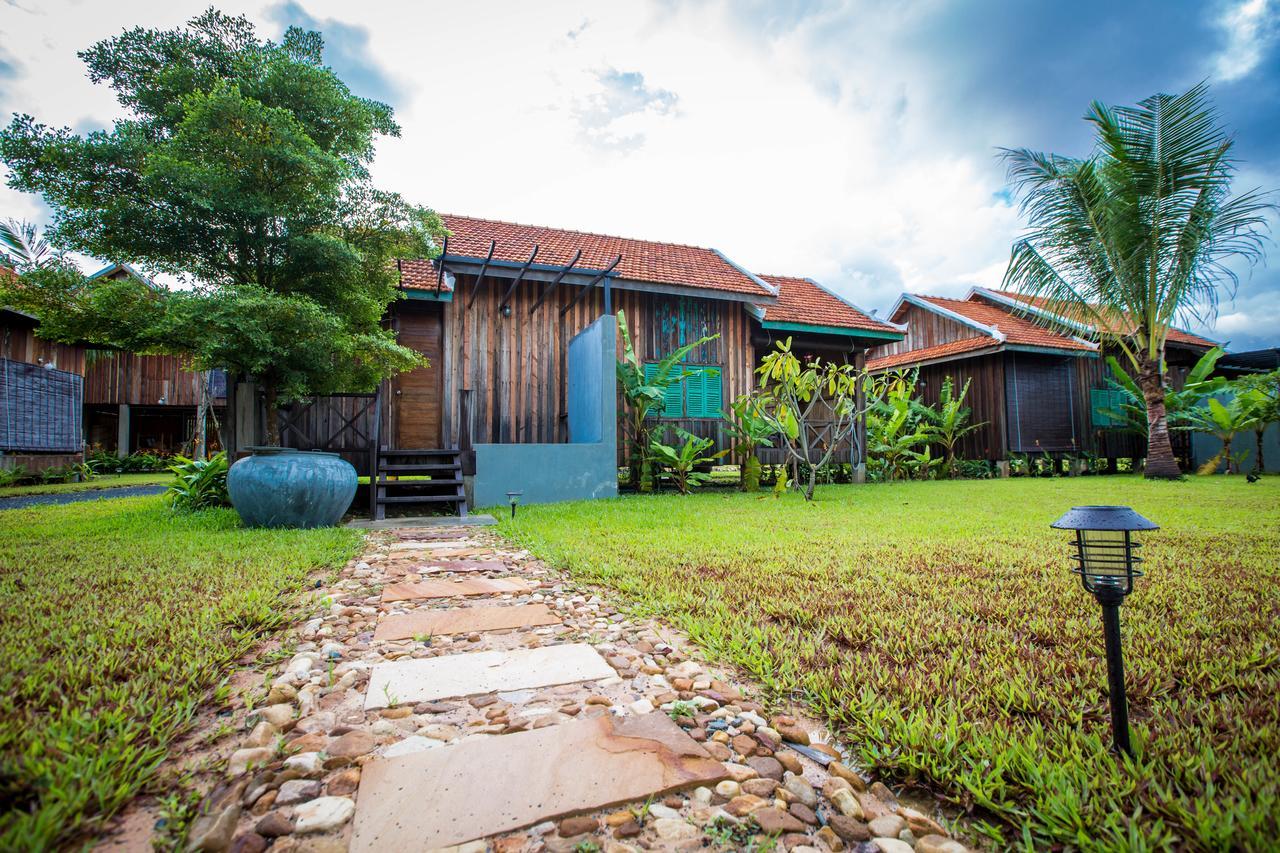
(199, 483)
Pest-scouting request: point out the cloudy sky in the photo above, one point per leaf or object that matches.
(853, 142)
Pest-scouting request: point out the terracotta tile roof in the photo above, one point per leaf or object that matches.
(801, 300)
(420, 274)
(1016, 330)
(1122, 324)
(642, 260)
(951, 348)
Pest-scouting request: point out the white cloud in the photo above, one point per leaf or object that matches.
(1249, 27)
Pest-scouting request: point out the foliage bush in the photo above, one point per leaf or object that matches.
(199, 483)
(139, 462)
(682, 462)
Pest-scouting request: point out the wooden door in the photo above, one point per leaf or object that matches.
(417, 394)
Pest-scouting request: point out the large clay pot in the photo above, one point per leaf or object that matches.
(281, 487)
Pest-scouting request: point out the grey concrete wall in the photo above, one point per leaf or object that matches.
(586, 467)
(1204, 447)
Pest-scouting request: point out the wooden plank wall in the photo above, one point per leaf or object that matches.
(515, 365)
(925, 329)
(18, 342)
(986, 400)
(112, 378)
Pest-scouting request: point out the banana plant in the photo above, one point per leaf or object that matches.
(1132, 410)
(1223, 421)
(746, 421)
(644, 397)
(681, 461)
(947, 423)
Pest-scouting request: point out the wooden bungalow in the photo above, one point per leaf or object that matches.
(1035, 391)
(41, 394)
(146, 402)
(497, 315)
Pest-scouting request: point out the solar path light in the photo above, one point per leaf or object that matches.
(1106, 563)
(514, 498)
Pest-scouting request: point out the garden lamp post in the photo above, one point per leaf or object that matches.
(1105, 562)
(514, 498)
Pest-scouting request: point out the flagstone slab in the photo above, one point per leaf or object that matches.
(444, 566)
(456, 676)
(463, 620)
(448, 589)
(477, 788)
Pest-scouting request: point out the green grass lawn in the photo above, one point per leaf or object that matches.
(938, 627)
(117, 619)
(104, 481)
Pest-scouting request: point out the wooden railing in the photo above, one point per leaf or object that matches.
(346, 424)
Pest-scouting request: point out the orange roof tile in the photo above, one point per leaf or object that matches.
(918, 356)
(642, 260)
(1016, 330)
(802, 300)
(1175, 335)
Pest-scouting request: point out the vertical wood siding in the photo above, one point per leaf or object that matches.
(515, 366)
(18, 342)
(925, 329)
(112, 378)
(986, 400)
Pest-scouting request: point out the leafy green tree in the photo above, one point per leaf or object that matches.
(795, 395)
(746, 421)
(242, 166)
(948, 422)
(1138, 233)
(644, 396)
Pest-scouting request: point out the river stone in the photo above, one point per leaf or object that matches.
(212, 833)
(939, 844)
(848, 805)
(240, 760)
(323, 814)
(887, 826)
(297, 791)
(774, 821)
(769, 768)
(849, 829)
(891, 845)
(673, 829)
(802, 790)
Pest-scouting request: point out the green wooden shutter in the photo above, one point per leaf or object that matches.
(695, 392)
(673, 397)
(1102, 401)
(711, 392)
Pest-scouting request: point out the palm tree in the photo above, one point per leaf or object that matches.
(22, 247)
(1137, 235)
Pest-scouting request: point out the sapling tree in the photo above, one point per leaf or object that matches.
(751, 429)
(796, 395)
(948, 422)
(242, 167)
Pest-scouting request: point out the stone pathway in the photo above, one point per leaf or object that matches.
(455, 694)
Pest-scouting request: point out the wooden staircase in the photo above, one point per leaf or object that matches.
(444, 489)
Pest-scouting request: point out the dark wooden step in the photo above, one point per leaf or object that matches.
(419, 484)
(421, 466)
(419, 499)
(422, 451)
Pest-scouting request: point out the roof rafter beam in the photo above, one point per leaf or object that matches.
(519, 276)
(440, 274)
(586, 288)
(493, 244)
(542, 294)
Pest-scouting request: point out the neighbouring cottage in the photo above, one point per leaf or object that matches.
(146, 402)
(1034, 390)
(518, 324)
(41, 395)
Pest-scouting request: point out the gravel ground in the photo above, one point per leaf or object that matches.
(76, 497)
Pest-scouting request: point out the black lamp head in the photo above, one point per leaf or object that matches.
(1105, 558)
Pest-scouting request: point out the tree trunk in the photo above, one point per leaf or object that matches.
(1226, 454)
(1161, 463)
(271, 397)
(1259, 465)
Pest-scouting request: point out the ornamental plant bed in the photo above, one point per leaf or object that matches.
(938, 627)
